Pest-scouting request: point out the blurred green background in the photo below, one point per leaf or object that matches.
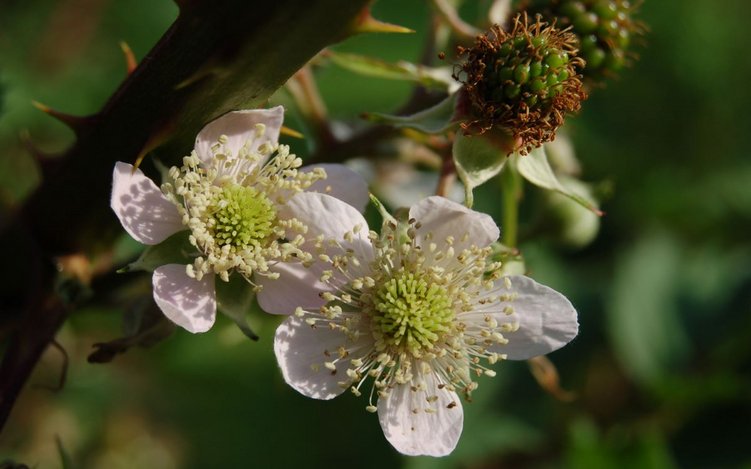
(662, 365)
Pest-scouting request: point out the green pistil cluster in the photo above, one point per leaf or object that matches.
(229, 205)
(411, 312)
(420, 307)
(243, 218)
(525, 81)
(605, 29)
(533, 78)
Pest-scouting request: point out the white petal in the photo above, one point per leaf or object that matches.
(296, 286)
(412, 430)
(187, 302)
(301, 352)
(342, 183)
(444, 218)
(240, 128)
(325, 215)
(547, 320)
(143, 210)
(332, 218)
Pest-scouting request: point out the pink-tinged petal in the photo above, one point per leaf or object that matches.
(547, 319)
(332, 218)
(145, 213)
(296, 286)
(302, 352)
(325, 215)
(240, 128)
(342, 183)
(189, 303)
(443, 217)
(414, 431)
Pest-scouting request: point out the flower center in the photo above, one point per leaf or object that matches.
(243, 217)
(411, 312)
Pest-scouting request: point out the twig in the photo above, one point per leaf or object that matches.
(302, 86)
(447, 176)
(63, 368)
(451, 17)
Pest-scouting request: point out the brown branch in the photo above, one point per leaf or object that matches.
(217, 56)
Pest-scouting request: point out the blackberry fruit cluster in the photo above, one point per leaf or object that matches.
(525, 80)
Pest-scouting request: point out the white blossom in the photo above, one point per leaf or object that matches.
(410, 318)
(231, 194)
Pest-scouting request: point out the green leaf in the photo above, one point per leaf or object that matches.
(647, 334)
(235, 300)
(477, 160)
(174, 250)
(433, 120)
(535, 168)
(430, 77)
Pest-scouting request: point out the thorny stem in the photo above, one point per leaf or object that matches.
(171, 94)
(369, 143)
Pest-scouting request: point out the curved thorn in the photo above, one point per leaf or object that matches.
(291, 132)
(130, 60)
(155, 140)
(75, 123)
(365, 23)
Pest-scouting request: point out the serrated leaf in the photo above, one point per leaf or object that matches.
(477, 160)
(174, 250)
(235, 300)
(433, 120)
(431, 77)
(535, 168)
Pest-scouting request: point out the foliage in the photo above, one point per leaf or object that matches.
(661, 366)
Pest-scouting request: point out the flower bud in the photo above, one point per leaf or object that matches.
(524, 81)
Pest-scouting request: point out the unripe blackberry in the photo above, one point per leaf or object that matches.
(605, 29)
(524, 81)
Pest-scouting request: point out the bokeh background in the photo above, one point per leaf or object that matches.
(661, 368)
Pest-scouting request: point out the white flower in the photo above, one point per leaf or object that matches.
(231, 193)
(417, 311)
